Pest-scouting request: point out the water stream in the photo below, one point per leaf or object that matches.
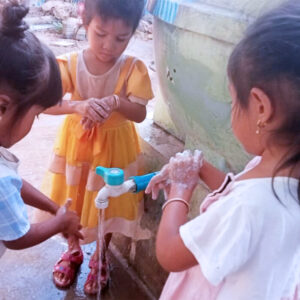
(101, 247)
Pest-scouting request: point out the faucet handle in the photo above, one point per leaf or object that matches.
(111, 176)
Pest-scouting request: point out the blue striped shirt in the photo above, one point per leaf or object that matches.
(14, 221)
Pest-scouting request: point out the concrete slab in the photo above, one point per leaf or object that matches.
(27, 275)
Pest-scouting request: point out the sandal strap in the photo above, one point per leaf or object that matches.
(94, 278)
(94, 264)
(75, 257)
(68, 271)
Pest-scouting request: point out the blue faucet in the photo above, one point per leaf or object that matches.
(115, 185)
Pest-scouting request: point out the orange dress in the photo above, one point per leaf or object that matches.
(77, 152)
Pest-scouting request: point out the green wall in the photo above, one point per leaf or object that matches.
(191, 57)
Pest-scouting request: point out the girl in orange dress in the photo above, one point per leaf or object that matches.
(109, 91)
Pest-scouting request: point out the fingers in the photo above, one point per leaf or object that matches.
(79, 235)
(65, 235)
(68, 203)
(107, 103)
(182, 168)
(96, 113)
(155, 191)
(100, 109)
(84, 120)
(185, 153)
(155, 186)
(87, 123)
(158, 182)
(166, 194)
(152, 183)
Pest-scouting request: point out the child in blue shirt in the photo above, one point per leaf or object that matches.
(29, 83)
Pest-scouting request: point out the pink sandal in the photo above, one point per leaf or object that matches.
(104, 280)
(75, 259)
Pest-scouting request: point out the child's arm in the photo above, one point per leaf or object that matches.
(132, 111)
(35, 198)
(64, 221)
(211, 176)
(98, 110)
(230, 229)
(171, 252)
(66, 107)
(95, 108)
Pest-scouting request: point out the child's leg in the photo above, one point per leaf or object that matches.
(91, 285)
(65, 270)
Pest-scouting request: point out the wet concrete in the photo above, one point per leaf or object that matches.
(27, 275)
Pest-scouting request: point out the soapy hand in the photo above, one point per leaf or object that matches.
(182, 170)
(98, 110)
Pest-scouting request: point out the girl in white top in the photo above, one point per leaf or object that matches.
(245, 244)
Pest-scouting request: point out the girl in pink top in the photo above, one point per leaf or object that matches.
(245, 244)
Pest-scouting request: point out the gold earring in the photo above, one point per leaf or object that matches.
(259, 125)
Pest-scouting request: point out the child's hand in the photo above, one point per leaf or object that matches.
(182, 171)
(99, 110)
(69, 220)
(87, 123)
(159, 182)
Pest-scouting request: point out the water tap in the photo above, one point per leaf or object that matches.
(115, 185)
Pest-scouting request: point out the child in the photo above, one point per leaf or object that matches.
(99, 130)
(245, 244)
(29, 83)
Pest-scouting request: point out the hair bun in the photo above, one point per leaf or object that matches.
(12, 23)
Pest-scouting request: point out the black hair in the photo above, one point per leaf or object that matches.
(268, 58)
(28, 69)
(130, 11)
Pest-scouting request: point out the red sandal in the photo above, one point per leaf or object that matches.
(75, 259)
(93, 277)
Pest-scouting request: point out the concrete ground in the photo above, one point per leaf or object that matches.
(27, 274)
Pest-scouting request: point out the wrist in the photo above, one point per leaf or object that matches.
(178, 191)
(203, 168)
(59, 220)
(77, 107)
(117, 101)
(54, 208)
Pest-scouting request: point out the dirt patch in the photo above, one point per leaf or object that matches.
(53, 38)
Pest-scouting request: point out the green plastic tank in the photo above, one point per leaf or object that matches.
(192, 42)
